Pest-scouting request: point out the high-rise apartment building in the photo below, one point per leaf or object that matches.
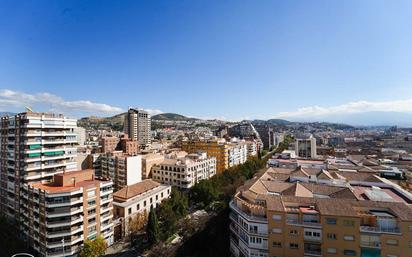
(137, 125)
(58, 216)
(33, 147)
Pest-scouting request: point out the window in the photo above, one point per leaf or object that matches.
(331, 236)
(392, 242)
(331, 250)
(276, 230)
(348, 238)
(277, 244)
(293, 246)
(91, 193)
(129, 210)
(293, 232)
(331, 221)
(276, 217)
(138, 206)
(144, 203)
(349, 223)
(349, 252)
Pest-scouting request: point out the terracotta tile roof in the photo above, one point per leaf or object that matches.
(135, 189)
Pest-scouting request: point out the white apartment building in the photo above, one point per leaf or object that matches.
(185, 172)
(135, 199)
(123, 169)
(238, 153)
(33, 147)
(305, 146)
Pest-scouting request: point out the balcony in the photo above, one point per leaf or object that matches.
(64, 212)
(249, 211)
(370, 244)
(371, 229)
(63, 233)
(303, 223)
(73, 240)
(72, 201)
(68, 222)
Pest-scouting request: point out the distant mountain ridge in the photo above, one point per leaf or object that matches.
(172, 117)
(116, 122)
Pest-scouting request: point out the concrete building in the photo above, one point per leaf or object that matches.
(227, 154)
(81, 135)
(123, 169)
(213, 148)
(129, 146)
(148, 160)
(305, 146)
(137, 125)
(109, 144)
(185, 172)
(74, 207)
(33, 147)
(270, 217)
(238, 153)
(135, 199)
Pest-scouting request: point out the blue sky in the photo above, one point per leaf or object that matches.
(226, 59)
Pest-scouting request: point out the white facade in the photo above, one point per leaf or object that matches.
(124, 170)
(126, 209)
(306, 147)
(185, 172)
(133, 170)
(251, 234)
(238, 153)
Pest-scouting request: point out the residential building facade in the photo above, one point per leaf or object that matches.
(123, 169)
(58, 216)
(33, 147)
(137, 199)
(185, 172)
(137, 125)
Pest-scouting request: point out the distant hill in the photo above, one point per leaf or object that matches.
(172, 117)
(7, 114)
(115, 122)
(275, 122)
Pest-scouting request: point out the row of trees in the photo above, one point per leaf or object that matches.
(213, 195)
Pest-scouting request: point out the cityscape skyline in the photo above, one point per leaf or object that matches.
(293, 60)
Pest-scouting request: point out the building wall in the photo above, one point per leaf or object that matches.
(213, 149)
(133, 170)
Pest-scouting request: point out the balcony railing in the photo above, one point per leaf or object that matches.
(395, 230)
(372, 244)
(303, 223)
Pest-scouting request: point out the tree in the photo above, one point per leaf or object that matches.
(152, 228)
(137, 222)
(93, 248)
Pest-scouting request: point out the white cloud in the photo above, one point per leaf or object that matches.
(153, 111)
(350, 108)
(10, 98)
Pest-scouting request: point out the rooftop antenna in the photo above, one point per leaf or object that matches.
(28, 108)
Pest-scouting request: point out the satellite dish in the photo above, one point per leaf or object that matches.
(28, 108)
